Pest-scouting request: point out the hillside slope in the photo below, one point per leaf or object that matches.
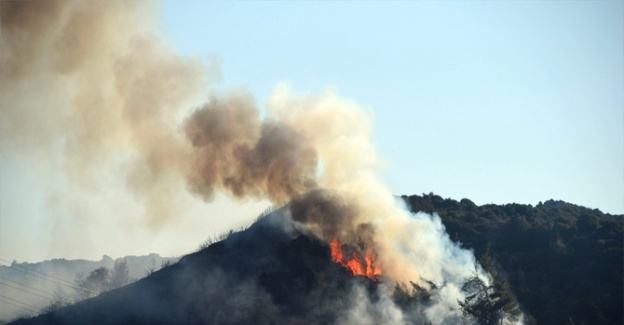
(563, 261)
(270, 273)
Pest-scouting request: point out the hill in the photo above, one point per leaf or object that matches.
(270, 273)
(278, 272)
(562, 261)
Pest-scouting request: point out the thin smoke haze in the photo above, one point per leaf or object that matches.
(92, 80)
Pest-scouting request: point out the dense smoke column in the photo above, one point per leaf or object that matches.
(322, 211)
(234, 150)
(90, 86)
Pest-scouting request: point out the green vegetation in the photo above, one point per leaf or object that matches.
(563, 262)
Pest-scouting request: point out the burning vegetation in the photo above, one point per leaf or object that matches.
(359, 264)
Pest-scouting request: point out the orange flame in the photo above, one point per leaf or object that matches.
(366, 267)
(336, 252)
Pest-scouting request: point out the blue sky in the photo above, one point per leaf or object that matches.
(498, 102)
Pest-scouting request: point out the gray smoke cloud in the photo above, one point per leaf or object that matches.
(93, 81)
(236, 151)
(361, 310)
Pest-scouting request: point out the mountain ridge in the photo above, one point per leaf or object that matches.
(274, 272)
(563, 261)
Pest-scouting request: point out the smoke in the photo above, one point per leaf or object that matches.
(93, 81)
(354, 206)
(236, 151)
(364, 311)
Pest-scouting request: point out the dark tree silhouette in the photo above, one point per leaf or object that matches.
(95, 283)
(487, 303)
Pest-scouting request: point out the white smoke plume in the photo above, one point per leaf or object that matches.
(93, 79)
(363, 311)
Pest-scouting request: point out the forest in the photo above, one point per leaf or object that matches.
(562, 262)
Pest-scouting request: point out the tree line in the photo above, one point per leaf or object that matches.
(563, 262)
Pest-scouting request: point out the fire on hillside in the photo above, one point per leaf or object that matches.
(358, 263)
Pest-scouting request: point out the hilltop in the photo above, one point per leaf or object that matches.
(269, 273)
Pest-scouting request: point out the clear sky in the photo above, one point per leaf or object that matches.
(498, 102)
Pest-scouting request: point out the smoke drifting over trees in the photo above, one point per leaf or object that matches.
(93, 81)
